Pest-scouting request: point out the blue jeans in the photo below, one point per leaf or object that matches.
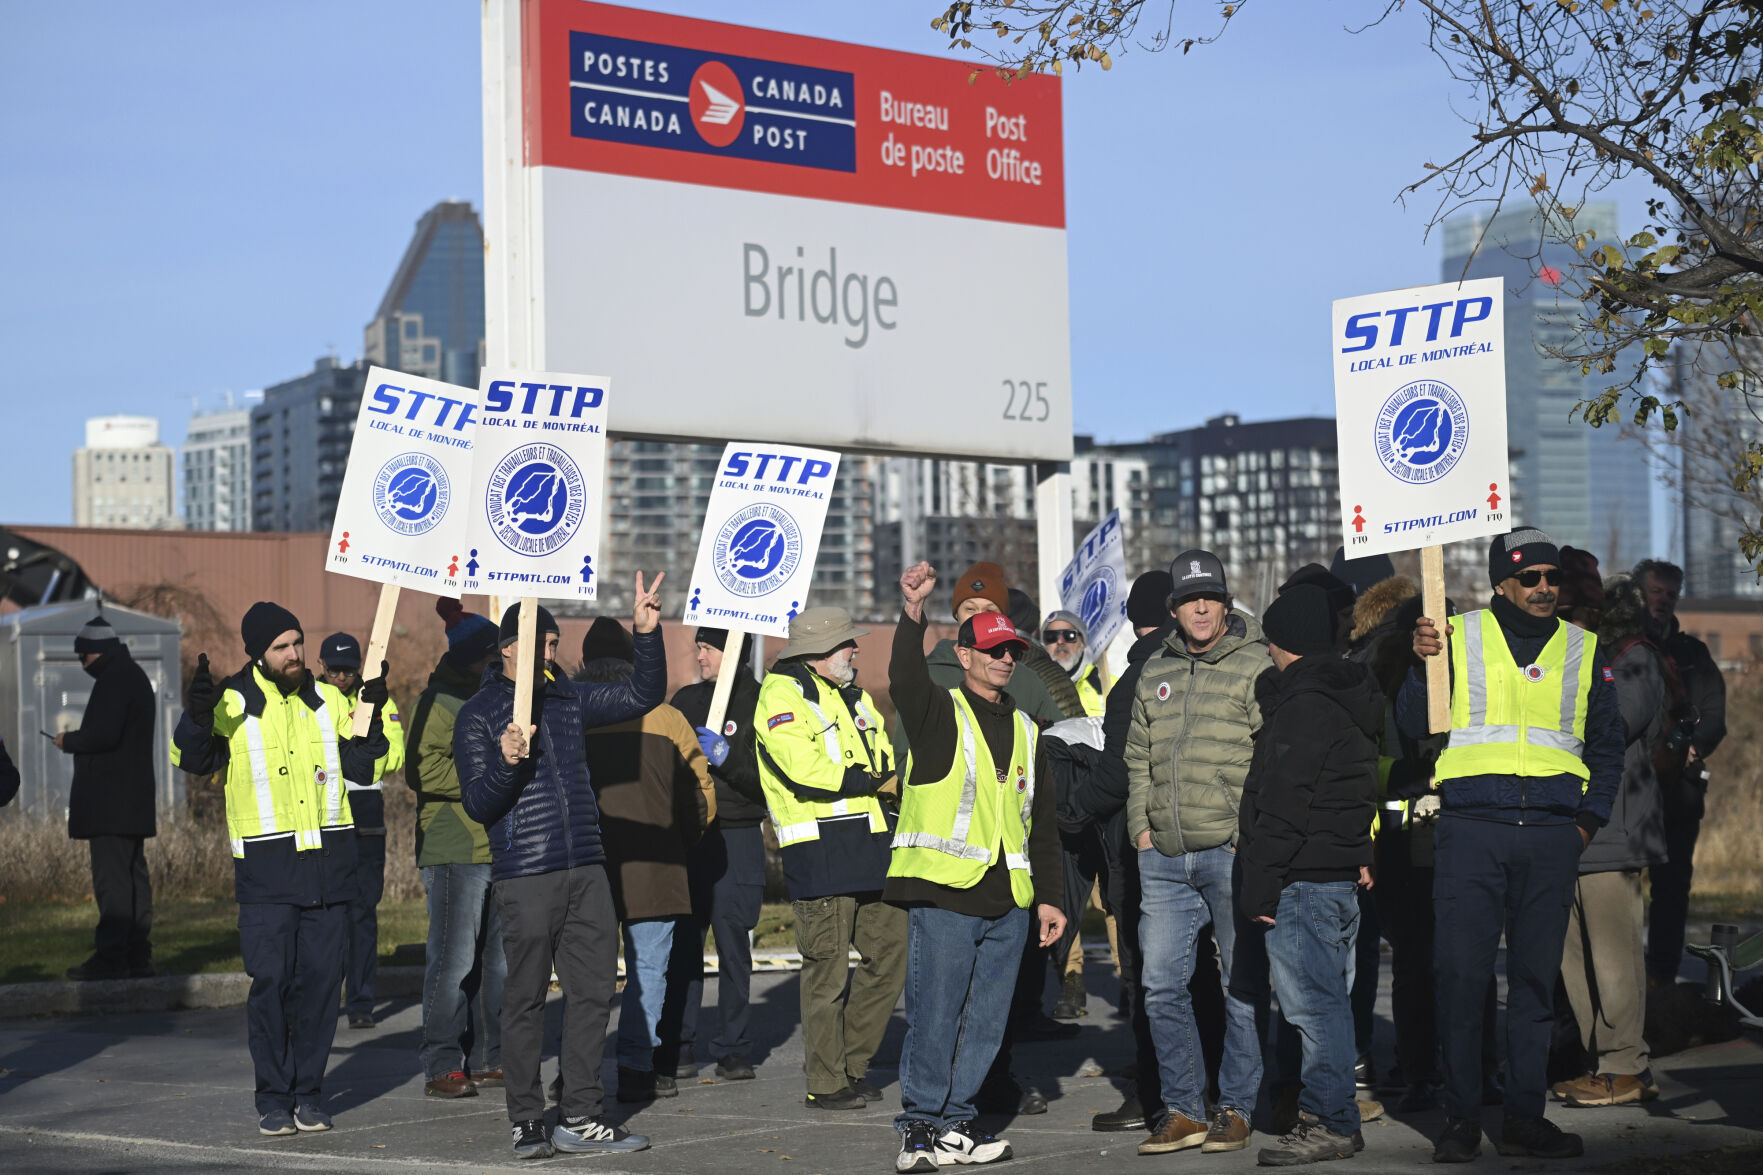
(1310, 949)
(960, 971)
(648, 942)
(463, 973)
(1180, 895)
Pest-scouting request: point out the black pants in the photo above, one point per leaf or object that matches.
(1124, 896)
(1082, 856)
(125, 903)
(563, 919)
(1669, 906)
(1367, 959)
(1490, 878)
(362, 970)
(727, 872)
(294, 956)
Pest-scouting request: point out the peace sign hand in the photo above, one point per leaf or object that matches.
(646, 612)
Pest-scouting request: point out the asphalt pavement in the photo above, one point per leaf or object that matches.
(171, 1091)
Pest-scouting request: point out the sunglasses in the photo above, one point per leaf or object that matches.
(1054, 636)
(998, 652)
(1533, 577)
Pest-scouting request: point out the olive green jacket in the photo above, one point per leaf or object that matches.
(445, 835)
(1187, 750)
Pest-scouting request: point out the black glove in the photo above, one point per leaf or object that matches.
(374, 692)
(859, 782)
(203, 694)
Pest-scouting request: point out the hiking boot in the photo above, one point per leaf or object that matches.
(276, 1123)
(963, 1142)
(1032, 1101)
(361, 1019)
(1307, 1142)
(1228, 1130)
(845, 1099)
(1364, 1073)
(1460, 1142)
(734, 1067)
(1649, 1087)
(530, 1140)
(454, 1084)
(1370, 1109)
(1130, 1116)
(586, 1135)
(636, 1085)
(666, 1085)
(1538, 1138)
(1418, 1100)
(309, 1117)
(488, 1079)
(1073, 1000)
(918, 1147)
(1177, 1133)
(1602, 1089)
(863, 1089)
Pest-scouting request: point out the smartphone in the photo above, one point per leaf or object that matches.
(46, 734)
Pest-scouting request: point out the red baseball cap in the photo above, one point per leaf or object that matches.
(988, 630)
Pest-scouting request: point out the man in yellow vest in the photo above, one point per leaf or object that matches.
(283, 739)
(1529, 771)
(976, 856)
(339, 664)
(823, 754)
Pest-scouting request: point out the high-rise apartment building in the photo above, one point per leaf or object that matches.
(300, 437)
(123, 476)
(431, 320)
(216, 461)
(1590, 488)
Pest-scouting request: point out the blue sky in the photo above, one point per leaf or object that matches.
(207, 196)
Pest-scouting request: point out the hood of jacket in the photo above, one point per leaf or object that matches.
(1145, 647)
(1240, 629)
(1343, 683)
(450, 678)
(1379, 601)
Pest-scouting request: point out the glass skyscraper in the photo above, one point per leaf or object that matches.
(431, 320)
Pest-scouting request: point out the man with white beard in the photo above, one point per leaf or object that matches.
(823, 756)
(1066, 639)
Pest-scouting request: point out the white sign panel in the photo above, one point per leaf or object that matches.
(401, 513)
(539, 477)
(1420, 405)
(761, 537)
(1094, 584)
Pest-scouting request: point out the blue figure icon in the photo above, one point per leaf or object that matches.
(471, 567)
(693, 607)
(793, 606)
(587, 569)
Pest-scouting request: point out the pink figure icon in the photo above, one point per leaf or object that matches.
(343, 547)
(1494, 495)
(1358, 521)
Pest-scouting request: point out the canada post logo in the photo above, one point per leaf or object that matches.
(681, 99)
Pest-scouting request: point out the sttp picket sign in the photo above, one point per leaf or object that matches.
(1094, 584)
(539, 475)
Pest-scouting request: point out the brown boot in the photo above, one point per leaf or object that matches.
(1605, 1089)
(1177, 1133)
(488, 1079)
(454, 1084)
(1228, 1132)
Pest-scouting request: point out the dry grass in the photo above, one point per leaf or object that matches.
(1729, 856)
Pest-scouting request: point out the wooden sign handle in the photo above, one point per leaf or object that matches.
(376, 651)
(526, 634)
(1438, 669)
(725, 684)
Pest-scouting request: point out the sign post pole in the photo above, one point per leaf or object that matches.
(1438, 669)
(376, 650)
(523, 668)
(725, 684)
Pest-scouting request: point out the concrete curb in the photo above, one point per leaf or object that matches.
(162, 993)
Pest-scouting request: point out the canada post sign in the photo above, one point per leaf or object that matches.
(656, 95)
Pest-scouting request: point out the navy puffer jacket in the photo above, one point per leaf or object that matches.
(540, 813)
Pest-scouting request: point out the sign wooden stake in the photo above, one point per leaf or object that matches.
(527, 635)
(1438, 669)
(725, 684)
(376, 650)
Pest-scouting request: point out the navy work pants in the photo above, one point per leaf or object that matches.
(364, 922)
(294, 955)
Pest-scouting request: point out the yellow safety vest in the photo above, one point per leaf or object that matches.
(952, 830)
(1091, 697)
(1507, 720)
(393, 760)
(808, 738)
(283, 776)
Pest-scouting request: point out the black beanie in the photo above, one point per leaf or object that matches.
(606, 637)
(1511, 553)
(1147, 604)
(510, 630)
(1361, 573)
(717, 638)
(1301, 620)
(96, 637)
(264, 622)
(1340, 595)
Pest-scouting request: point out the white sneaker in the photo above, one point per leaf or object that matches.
(963, 1142)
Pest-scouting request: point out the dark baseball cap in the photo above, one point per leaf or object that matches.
(988, 630)
(1197, 573)
(340, 651)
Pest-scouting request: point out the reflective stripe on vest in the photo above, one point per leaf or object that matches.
(263, 786)
(834, 806)
(1478, 746)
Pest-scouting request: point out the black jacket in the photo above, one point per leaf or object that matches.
(541, 813)
(114, 781)
(1706, 688)
(8, 776)
(1312, 785)
(740, 803)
